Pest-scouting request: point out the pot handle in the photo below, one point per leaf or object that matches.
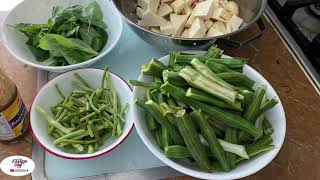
(237, 44)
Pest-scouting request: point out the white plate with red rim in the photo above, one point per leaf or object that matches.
(276, 116)
(48, 97)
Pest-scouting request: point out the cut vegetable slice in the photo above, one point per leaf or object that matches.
(232, 7)
(178, 23)
(143, 3)
(198, 29)
(153, 5)
(164, 10)
(139, 11)
(220, 27)
(149, 18)
(178, 6)
(203, 9)
(168, 29)
(221, 14)
(234, 23)
(208, 23)
(213, 32)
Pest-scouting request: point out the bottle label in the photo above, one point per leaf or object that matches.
(13, 120)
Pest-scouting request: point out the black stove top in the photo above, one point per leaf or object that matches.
(302, 20)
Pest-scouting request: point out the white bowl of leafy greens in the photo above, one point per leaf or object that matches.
(61, 35)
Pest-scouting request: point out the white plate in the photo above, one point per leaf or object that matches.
(276, 116)
(39, 11)
(48, 97)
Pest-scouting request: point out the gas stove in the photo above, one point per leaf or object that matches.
(299, 24)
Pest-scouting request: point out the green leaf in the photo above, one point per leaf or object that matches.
(92, 15)
(99, 44)
(27, 28)
(40, 55)
(48, 41)
(61, 15)
(73, 50)
(93, 11)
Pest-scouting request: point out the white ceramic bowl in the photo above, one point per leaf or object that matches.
(48, 97)
(276, 116)
(39, 11)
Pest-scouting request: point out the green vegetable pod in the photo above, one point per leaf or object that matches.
(153, 108)
(217, 67)
(154, 68)
(197, 80)
(218, 114)
(174, 78)
(207, 98)
(231, 136)
(206, 71)
(192, 140)
(210, 136)
(146, 85)
(176, 151)
(236, 79)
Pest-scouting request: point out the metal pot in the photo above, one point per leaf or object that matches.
(250, 12)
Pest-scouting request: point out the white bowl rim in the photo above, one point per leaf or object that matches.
(206, 175)
(63, 68)
(88, 155)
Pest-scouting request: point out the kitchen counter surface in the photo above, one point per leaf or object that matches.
(299, 157)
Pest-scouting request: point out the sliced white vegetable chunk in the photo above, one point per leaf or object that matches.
(228, 27)
(155, 29)
(149, 18)
(203, 9)
(213, 32)
(190, 20)
(232, 7)
(190, 2)
(208, 23)
(185, 33)
(167, 29)
(221, 14)
(220, 26)
(187, 9)
(234, 23)
(198, 29)
(164, 9)
(143, 3)
(178, 6)
(153, 5)
(140, 11)
(178, 23)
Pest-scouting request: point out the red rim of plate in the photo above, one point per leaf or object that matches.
(77, 158)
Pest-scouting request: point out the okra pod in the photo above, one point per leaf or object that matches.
(174, 78)
(151, 122)
(154, 68)
(213, 52)
(206, 71)
(218, 114)
(197, 80)
(210, 136)
(231, 136)
(150, 85)
(236, 79)
(207, 98)
(192, 140)
(217, 67)
(153, 108)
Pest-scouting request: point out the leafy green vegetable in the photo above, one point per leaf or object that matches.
(72, 35)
